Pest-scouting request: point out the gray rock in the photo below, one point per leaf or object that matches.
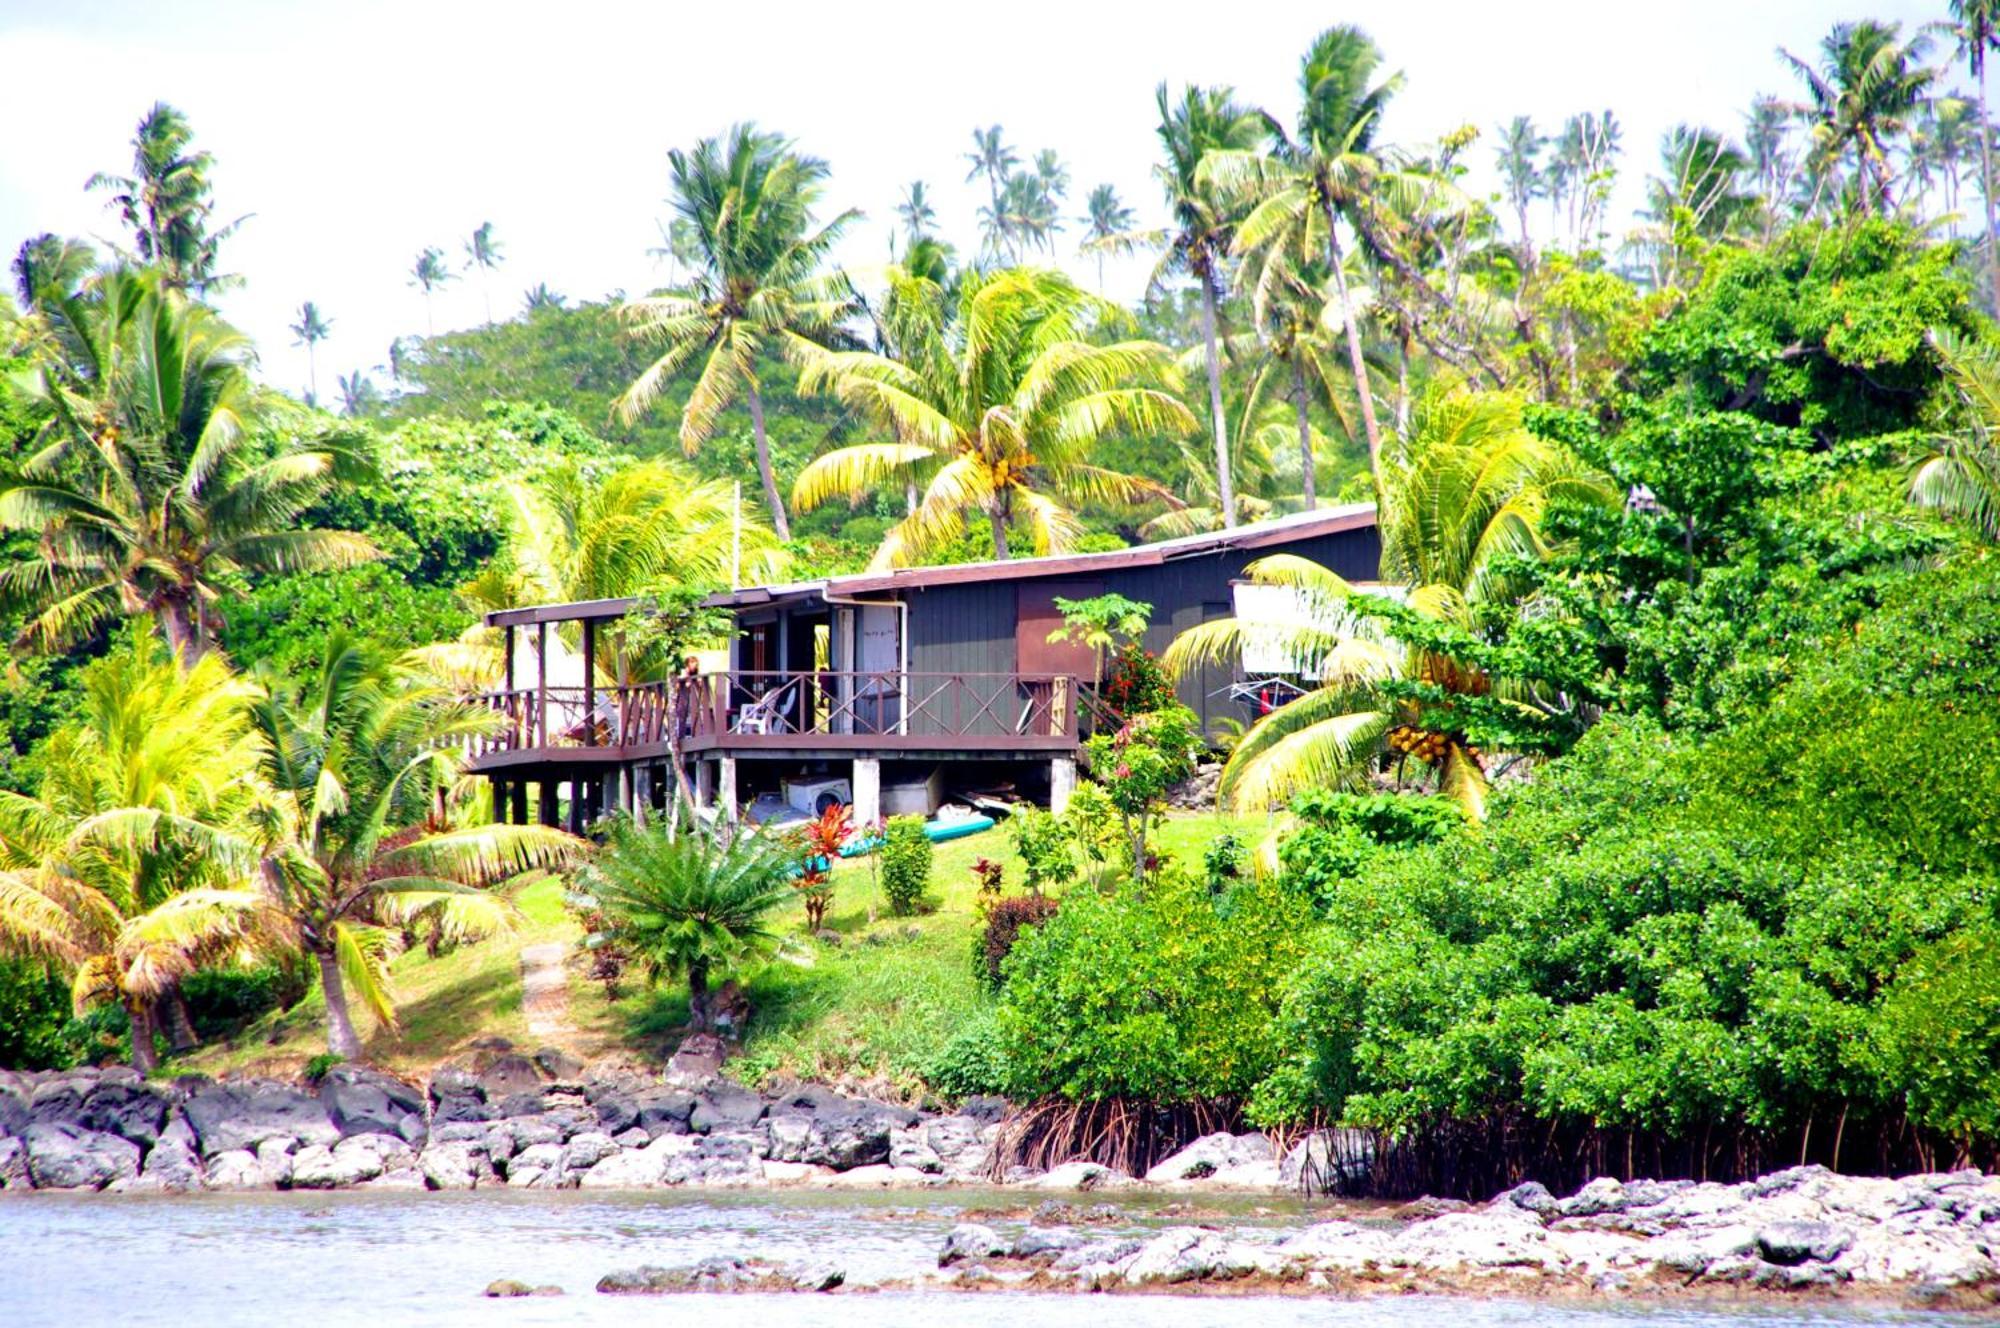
(1081, 1176)
(227, 1117)
(536, 1167)
(1328, 1161)
(1208, 1155)
(358, 1158)
(697, 1061)
(1531, 1196)
(13, 1164)
(68, 1157)
(716, 1160)
(509, 1289)
(816, 1275)
(236, 1170)
(14, 1113)
(1789, 1244)
(462, 1132)
(1102, 1254)
(557, 1063)
(841, 1138)
(970, 1240)
(725, 1106)
(274, 1159)
(1603, 1195)
(911, 1148)
(716, 1274)
(616, 1113)
(1046, 1242)
(586, 1150)
(454, 1166)
(664, 1111)
(457, 1097)
(509, 1075)
(529, 1103)
(363, 1101)
(632, 1138)
(1189, 1254)
(131, 1110)
(172, 1163)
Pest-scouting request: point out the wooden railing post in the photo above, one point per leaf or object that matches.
(589, 682)
(542, 683)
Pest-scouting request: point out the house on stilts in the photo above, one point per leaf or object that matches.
(885, 690)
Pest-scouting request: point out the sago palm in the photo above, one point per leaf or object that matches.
(162, 474)
(357, 761)
(1462, 504)
(999, 398)
(690, 904)
(758, 289)
(130, 866)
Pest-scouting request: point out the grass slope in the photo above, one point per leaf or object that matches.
(871, 1011)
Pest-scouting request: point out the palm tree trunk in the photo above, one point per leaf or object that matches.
(184, 636)
(1306, 464)
(144, 1058)
(1225, 488)
(181, 1036)
(312, 375)
(340, 1038)
(1355, 360)
(779, 521)
(1986, 186)
(701, 1015)
(997, 514)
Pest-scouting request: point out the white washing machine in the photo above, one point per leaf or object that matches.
(814, 796)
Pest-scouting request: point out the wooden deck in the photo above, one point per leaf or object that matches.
(939, 715)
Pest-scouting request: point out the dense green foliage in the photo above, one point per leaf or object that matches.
(906, 864)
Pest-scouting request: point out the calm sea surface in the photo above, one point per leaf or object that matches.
(388, 1260)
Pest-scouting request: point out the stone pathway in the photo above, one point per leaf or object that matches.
(545, 989)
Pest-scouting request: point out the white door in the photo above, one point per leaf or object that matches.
(878, 659)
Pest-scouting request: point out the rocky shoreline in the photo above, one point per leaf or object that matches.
(544, 1122)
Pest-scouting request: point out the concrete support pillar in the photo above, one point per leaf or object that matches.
(576, 798)
(1062, 783)
(725, 791)
(704, 784)
(550, 811)
(867, 781)
(642, 793)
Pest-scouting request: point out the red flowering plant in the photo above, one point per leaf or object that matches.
(819, 843)
(1138, 764)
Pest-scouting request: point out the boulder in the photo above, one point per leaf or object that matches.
(877, 1176)
(236, 1170)
(14, 1114)
(970, 1240)
(1081, 1176)
(274, 1159)
(1327, 1161)
(637, 1168)
(697, 1061)
(227, 1117)
(172, 1163)
(457, 1097)
(1789, 1244)
(911, 1148)
(815, 1275)
(663, 1111)
(1210, 1154)
(557, 1063)
(527, 1103)
(13, 1164)
(536, 1167)
(616, 1113)
(454, 1166)
(719, 1161)
(1494, 1238)
(1190, 1254)
(63, 1156)
(135, 1111)
(725, 1106)
(586, 1150)
(363, 1101)
(1046, 1242)
(358, 1158)
(507, 1289)
(841, 1137)
(1530, 1196)
(721, 1273)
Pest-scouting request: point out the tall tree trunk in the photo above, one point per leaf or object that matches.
(312, 375)
(180, 1024)
(145, 1059)
(1355, 360)
(1306, 463)
(183, 633)
(779, 521)
(1986, 183)
(1225, 488)
(701, 1012)
(340, 1037)
(997, 513)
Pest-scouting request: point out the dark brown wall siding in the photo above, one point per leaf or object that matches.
(970, 628)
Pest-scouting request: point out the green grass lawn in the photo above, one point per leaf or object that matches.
(871, 1011)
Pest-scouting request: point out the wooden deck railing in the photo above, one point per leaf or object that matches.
(747, 709)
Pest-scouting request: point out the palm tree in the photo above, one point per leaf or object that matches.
(359, 761)
(539, 297)
(1862, 97)
(1462, 501)
(1976, 30)
(49, 269)
(1319, 173)
(166, 201)
(1000, 398)
(309, 331)
(1960, 476)
(1938, 150)
(757, 287)
(1297, 349)
(919, 217)
(482, 252)
(1204, 121)
(358, 394)
(428, 273)
(1766, 134)
(1521, 178)
(156, 485)
(690, 904)
(1107, 227)
(992, 158)
(129, 866)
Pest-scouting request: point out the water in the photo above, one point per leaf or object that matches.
(388, 1260)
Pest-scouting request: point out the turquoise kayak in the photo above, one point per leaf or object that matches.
(935, 831)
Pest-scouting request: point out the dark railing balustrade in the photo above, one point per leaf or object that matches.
(766, 709)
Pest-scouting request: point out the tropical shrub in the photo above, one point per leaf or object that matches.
(1136, 682)
(1004, 921)
(1092, 824)
(1153, 993)
(906, 864)
(971, 1063)
(1043, 843)
(818, 847)
(1138, 764)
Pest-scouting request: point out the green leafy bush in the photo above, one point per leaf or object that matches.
(1043, 843)
(972, 1063)
(1004, 921)
(906, 864)
(1137, 765)
(1153, 993)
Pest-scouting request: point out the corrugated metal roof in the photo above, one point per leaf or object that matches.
(1256, 535)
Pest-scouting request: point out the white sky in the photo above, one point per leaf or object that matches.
(358, 132)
